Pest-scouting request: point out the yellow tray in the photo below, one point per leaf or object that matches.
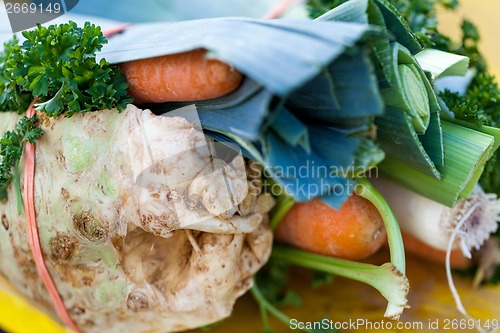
(342, 301)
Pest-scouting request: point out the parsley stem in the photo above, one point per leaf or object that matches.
(266, 306)
(17, 187)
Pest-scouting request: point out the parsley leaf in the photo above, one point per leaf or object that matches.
(58, 65)
(320, 279)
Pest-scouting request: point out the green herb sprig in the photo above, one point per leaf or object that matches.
(11, 149)
(57, 65)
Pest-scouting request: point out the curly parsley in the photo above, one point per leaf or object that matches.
(11, 148)
(11, 97)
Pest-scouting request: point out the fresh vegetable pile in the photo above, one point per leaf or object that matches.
(344, 134)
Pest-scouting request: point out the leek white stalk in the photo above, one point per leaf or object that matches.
(466, 226)
(440, 63)
(434, 223)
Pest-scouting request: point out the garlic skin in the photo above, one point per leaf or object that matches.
(434, 223)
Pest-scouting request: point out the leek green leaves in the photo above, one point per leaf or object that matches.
(419, 148)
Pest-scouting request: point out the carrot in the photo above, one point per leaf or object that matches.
(188, 76)
(421, 250)
(355, 231)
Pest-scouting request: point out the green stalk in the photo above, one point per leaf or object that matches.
(394, 238)
(387, 279)
(409, 131)
(17, 187)
(466, 152)
(266, 306)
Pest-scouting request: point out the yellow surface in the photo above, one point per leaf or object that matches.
(486, 15)
(343, 300)
(18, 315)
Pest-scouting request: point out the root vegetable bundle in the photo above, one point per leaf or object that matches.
(142, 189)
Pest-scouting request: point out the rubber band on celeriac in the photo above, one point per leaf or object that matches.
(29, 206)
(33, 235)
(389, 279)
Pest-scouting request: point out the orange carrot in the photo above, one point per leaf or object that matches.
(355, 231)
(421, 250)
(188, 76)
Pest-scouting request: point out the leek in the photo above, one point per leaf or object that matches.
(274, 115)
(402, 144)
(398, 26)
(333, 97)
(366, 11)
(433, 223)
(260, 56)
(411, 133)
(363, 11)
(291, 129)
(466, 152)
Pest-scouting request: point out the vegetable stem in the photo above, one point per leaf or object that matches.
(17, 186)
(394, 238)
(387, 279)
